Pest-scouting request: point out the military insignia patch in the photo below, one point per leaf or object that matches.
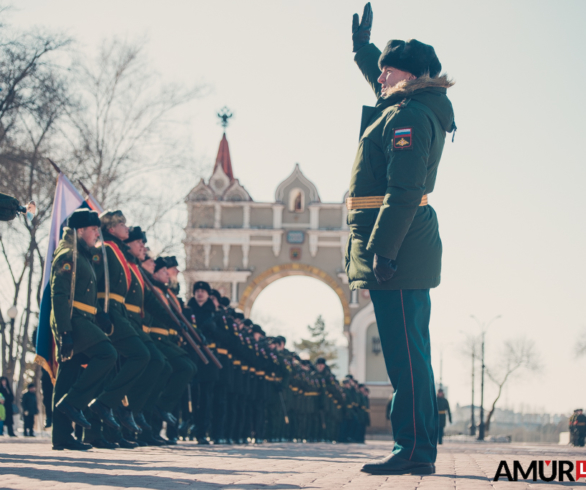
(67, 267)
(402, 139)
(96, 258)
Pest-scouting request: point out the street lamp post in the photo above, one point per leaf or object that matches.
(483, 329)
(472, 421)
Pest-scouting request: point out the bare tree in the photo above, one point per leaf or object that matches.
(124, 129)
(518, 355)
(30, 109)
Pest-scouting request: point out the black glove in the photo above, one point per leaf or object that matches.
(384, 269)
(361, 30)
(104, 322)
(66, 344)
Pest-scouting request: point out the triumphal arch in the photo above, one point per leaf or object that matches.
(240, 246)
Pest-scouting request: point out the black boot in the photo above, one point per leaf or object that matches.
(393, 465)
(127, 420)
(105, 414)
(72, 445)
(73, 414)
(141, 421)
(166, 416)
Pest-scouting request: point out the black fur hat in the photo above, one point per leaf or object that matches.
(135, 233)
(160, 262)
(82, 218)
(202, 285)
(171, 261)
(411, 56)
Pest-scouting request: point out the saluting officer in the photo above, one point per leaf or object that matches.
(78, 328)
(394, 247)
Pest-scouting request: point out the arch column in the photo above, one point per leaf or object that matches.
(362, 320)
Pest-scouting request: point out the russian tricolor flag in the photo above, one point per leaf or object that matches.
(67, 200)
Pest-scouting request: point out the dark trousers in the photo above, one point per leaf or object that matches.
(29, 423)
(183, 370)
(403, 323)
(220, 411)
(135, 357)
(152, 380)
(203, 412)
(79, 386)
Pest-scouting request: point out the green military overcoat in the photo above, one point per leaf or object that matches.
(401, 143)
(82, 326)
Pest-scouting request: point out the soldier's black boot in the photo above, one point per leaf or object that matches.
(74, 414)
(105, 414)
(141, 421)
(166, 416)
(72, 445)
(393, 465)
(126, 419)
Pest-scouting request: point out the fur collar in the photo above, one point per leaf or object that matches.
(407, 87)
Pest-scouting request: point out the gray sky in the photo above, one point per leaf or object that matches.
(508, 189)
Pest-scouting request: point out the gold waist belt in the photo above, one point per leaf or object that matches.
(222, 351)
(160, 331)
(252, 370)
(260, 373)
(244, 368)
(83, 307)
(443, 412)
(133, 308)
(115, 297)
(311, 393)
(236, 362)
(372, 202)
(212, 346)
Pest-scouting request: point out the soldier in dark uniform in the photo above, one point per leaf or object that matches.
(202, 308)
(79, 328)
(443, 409)
(580, 425)
(133, 353)
(394, 249)
(166, 337)
(158, 371)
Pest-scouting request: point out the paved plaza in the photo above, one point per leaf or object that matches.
(32, 464)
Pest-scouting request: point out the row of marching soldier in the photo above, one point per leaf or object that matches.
(140, 367)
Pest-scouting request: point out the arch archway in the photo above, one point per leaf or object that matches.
(255, 286)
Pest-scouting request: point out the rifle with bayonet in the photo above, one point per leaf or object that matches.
(193, 332)
(182, 331)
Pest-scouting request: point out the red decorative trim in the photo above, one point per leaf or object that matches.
(412, 383)
(123, 262)
(174, 298)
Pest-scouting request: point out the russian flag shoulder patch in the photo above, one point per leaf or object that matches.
(402, 138)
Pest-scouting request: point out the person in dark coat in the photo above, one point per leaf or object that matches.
(29, 409)
(394, 248)
(6, 392)
(202, 308)
(443, 410)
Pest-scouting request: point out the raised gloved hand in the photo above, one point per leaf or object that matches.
(104, 322)
(361, 29)
(66, 346)
(384, 269)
